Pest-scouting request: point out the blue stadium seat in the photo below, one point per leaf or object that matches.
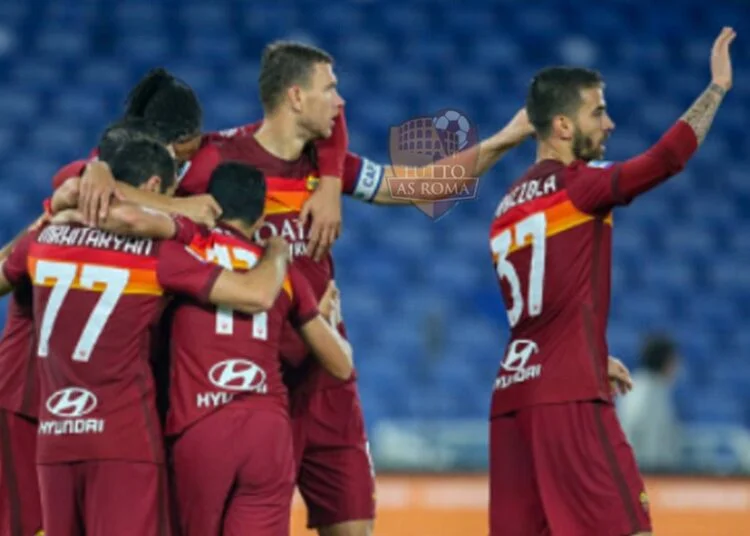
(60, 139)
(154, 49)
(63, 44)
(106, 75)
(85, 104)
(230, 108)
(667, 273)
(729, 273)
(36, 75)
(137, 15)
(714, 407)
(215, 48)
(18, 104)
(13, 13)
(203, 17)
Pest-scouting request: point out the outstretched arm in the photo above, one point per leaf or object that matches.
(255, 290)
(597, 190)
(95, 191)
(466, 165)
(181, 270)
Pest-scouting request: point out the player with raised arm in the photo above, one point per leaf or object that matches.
(96, 294)
(559, 461)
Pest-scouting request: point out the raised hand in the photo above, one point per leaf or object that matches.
(721, 60)
(701, 114)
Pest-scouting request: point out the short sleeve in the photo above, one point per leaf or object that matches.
(195, 175)
(180, 271)
(304, 304)
(362, 177)
(15, 267)
(593, 186)
(68, 171)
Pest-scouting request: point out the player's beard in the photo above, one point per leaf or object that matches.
(584, 147)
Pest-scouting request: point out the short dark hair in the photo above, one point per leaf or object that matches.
(240, 191)
(168, 101)
(137, 161)
(285, 63)
(126, 130)
(555, 91)
(658, 352)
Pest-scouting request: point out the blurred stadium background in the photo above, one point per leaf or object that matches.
(420, 297)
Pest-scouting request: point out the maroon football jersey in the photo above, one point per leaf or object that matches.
(289, 185)
(95, 297)
(551, 243)
(19, 387)
(221, 356)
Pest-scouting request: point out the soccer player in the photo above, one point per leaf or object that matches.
(233, 457)
(559, 461)
(20, 511)
(99, 451)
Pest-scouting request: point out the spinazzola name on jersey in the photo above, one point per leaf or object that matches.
(527, 191)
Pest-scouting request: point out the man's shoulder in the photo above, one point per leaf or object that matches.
(233, 133)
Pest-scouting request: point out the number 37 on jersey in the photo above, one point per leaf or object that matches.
(531, 232)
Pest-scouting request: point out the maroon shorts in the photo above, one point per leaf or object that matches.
(564, 469)
(20, 509)
(104, 498)
(234, 474)
(336, 475)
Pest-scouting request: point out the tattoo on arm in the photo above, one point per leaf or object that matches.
(701, 114)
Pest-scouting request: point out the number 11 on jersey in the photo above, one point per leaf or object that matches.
(225, 315)
(533, 227)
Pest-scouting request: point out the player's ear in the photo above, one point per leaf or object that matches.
(563, 127)
(294, 94)
(153, 184)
